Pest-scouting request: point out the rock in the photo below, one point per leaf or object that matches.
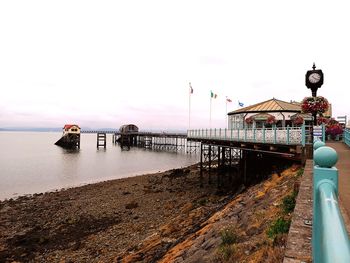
(168, 229)
(211, 242)
(187, 208)
(253, 231)
(131, 205)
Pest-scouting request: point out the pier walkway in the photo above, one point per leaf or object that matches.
(343, 166)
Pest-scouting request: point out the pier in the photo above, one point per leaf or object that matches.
(319, 214)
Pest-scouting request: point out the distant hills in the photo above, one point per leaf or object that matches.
(30, 129)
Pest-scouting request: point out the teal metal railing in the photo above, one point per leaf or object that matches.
(346, 136)
(274, 135)
(330, 240)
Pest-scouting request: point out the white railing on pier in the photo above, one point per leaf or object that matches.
(274, 135)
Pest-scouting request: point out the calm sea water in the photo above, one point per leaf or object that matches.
(31, 163)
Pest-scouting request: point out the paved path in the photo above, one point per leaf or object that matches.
(343, 166)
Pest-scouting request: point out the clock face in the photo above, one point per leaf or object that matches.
(314, 77)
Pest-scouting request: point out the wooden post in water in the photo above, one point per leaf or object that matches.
(101, 139)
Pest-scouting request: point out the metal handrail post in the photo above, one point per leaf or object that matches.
(287, 134)
(263, 133)
(323, 133)
(303, 135)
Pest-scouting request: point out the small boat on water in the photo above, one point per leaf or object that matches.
(71, 137)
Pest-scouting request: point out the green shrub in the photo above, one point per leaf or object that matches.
(300, 172)
(279, 226)
(288, 203)
(226, 252)
(228, 236)
(203, 201)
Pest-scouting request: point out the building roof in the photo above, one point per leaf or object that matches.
(272, 105)
(68, 126)
(305, 116)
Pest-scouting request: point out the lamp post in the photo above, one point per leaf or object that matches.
(314, 81)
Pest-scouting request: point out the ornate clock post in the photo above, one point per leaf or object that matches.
(314, 80)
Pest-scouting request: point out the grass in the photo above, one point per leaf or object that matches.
(288, 203)
(227, 246)
(203, 201)
(279, 226)
(226, 252)
(300, 172)
(228, 236)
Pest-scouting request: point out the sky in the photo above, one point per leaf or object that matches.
(107, 63)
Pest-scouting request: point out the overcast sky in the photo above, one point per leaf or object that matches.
(106, 63)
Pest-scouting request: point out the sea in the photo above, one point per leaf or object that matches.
(31, 163)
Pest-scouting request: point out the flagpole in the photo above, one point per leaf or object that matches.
(189, 108)
(210, 114)
(226, 114)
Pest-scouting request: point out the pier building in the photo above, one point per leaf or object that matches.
(268, 113)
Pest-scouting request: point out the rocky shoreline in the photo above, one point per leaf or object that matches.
(138, 219)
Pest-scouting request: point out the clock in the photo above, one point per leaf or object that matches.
(314, 77)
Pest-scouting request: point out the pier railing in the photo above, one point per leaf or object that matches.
(346, 136)
(330, 240)
(274, 135)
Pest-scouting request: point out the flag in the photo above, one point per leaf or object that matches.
(191, 89)
(240, 104)
(213, 95)
(228, 100)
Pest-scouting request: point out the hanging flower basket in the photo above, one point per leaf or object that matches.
(271, 120)
(322, 120)
(314, 105)
(334, 130)
(298, 120)
(249, 120)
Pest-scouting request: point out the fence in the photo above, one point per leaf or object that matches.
(346, 136)
(330, 241)
(274, 135)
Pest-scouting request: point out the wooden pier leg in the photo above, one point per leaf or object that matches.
(245, 156)
(230, 170)
(219, 159)
(218, 171)
(201, 169)
(209, 164)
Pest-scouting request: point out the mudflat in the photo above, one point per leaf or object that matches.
(105, 222)
(161, 217)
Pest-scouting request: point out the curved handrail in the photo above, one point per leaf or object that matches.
(346, 136)
(330, 240)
